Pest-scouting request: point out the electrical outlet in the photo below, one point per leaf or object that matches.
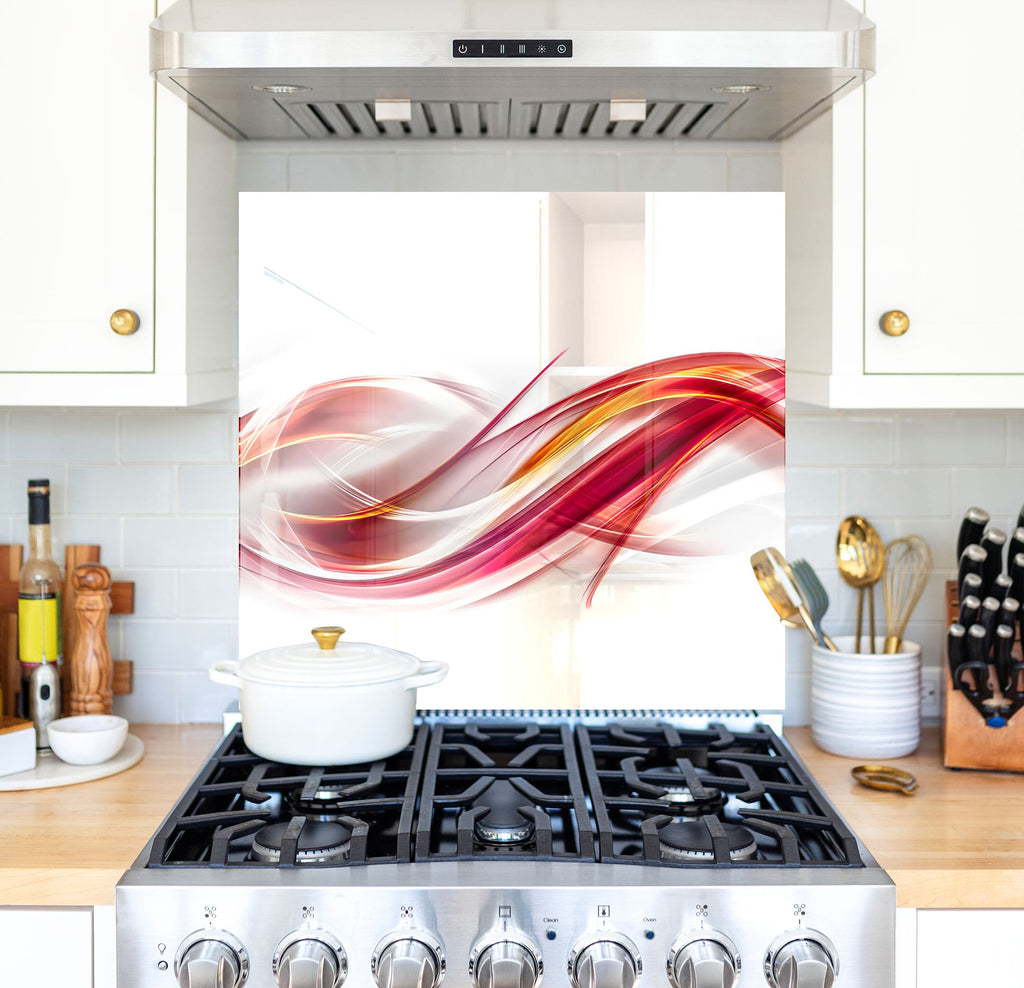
(931, 694)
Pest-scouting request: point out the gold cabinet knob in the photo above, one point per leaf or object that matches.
(895, 323)
(124, 322)
(327, 636)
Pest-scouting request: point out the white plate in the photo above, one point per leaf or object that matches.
(50, 771)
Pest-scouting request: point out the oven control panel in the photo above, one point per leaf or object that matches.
(685, 936)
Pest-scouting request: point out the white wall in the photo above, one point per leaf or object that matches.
(157, 489)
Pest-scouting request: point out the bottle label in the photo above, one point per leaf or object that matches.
(39, 631)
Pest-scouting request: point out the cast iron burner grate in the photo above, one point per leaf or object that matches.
(504, 787)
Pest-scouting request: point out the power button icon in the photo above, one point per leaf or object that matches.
(463, 49)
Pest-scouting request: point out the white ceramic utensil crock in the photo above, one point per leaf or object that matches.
(324, 703)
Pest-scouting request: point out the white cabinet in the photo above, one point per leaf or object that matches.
(907, 197)
(113, 198)
(968, 946)
(47, 947)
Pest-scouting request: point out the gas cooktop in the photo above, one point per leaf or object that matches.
(496, 847)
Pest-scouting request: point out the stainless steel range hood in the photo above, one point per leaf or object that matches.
(497, 69)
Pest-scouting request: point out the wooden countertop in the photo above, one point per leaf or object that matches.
(959, 842)
(956, 843)
(57, 846)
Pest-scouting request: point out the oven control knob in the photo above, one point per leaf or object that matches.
(505, 963)
(408, 960)
(706, 961)
(310, 959)
(211, 959)
(801, 959)
(607, 960)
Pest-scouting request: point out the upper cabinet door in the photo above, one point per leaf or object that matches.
(76, 200)
(944, 201)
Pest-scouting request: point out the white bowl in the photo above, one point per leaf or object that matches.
(88, 739)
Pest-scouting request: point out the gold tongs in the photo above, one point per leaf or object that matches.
(784, 593)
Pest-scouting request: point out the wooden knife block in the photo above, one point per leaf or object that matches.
(122, 598)
(967, 741)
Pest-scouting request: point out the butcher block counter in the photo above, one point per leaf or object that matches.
(957, 843)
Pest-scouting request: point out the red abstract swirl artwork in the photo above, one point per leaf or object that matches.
(378, 490)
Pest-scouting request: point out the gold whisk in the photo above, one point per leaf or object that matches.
(908, 562)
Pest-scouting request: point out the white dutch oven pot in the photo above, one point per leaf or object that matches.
(322, 703)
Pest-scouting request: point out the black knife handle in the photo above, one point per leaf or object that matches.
(977, 660)
(993, 542)
(972, 560)
(1001, 587)
(970, 608)
(971, 586)
(1005, 635)
(1016, 545)
(988, 618)
(1009, 612)
(973, 524)
(956, 650)
(1017, 576)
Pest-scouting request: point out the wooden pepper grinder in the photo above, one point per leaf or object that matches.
(92, 670)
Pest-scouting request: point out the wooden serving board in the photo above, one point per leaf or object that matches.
(50, 771)
(968, 742)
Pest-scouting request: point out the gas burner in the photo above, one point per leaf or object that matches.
(502, 823)
(319, 842)
(682, 801)
(691, 841)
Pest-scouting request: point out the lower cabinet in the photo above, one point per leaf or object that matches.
(51, 947)
(969, 947)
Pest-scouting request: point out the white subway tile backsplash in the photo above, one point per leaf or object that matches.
(674, 172)
(897, 492)
(755, 172)
(180, 437)
(579, 172)
(160, 646)
(811, 491)
(939, 439)
(14, 478)
(342, 173)
(999, 490)
(77, 437)
(101, 530)
(453, 172)
(156, 592)
(121, 490)
(864, 440)
(203, 701)
(178, 542)
(154, 699)
(208, 490)
(209, 593)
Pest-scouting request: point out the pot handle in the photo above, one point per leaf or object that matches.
(225, 672)
(430, 673)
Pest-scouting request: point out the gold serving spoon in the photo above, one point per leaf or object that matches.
(775, 579)
(860, 558)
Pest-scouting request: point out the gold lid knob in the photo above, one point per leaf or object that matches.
(895, 323)
(327, 637)
(124, 322)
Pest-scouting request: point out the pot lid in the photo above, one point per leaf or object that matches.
(325, 662)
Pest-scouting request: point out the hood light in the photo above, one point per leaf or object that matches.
(741, 90)
(282, 90)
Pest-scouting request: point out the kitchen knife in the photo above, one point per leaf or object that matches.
(972, 560)
(970, 608)
(970, 587)
(1020, 518)
(1001, 587)
(1009, 612)
(988, 618)
(956, 650)
(993, 542)
(1004, 644)
(977, 662)
(1017, 576)
(971, 528)
(1016, 544)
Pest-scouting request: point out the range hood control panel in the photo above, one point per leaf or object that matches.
(517, 48)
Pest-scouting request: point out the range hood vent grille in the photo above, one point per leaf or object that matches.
(548, 120)
(354, 119)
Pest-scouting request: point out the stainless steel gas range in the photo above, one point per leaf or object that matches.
(597, 849)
